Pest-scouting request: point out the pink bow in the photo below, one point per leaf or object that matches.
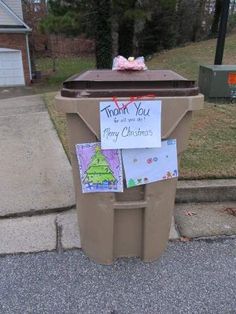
(120, 63)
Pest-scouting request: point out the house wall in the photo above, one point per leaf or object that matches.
(17, 41)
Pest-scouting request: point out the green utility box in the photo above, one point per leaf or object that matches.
(217, 81)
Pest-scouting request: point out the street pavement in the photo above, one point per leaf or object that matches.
(192, 277)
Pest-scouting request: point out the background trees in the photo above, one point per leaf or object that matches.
(139, 27)
(103, 36)
(160, 29)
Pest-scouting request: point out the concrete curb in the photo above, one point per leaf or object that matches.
(198, 191)
(56, 231)
(59, 231)
(205, 220)
(192, 191)
(39, 233)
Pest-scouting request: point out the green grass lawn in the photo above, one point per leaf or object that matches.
(58, 119)
(65, 67)
(186, 60)
(211, 151)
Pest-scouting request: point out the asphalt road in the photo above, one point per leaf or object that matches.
(193, 277)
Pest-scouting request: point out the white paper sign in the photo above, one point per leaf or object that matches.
(148, 165)
(134, 124)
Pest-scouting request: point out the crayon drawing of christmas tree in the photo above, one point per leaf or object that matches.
(100, 170)
(99, 174)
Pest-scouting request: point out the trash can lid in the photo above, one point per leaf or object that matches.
(108, 83)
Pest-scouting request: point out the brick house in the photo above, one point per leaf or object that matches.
(15, 66)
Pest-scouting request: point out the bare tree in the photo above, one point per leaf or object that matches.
(216, 17)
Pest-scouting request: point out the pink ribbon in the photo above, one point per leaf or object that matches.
(121, 64)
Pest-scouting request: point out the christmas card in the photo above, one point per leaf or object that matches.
(100, 170)
(148, 165)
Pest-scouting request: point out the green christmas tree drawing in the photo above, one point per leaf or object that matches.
(131, 183)
(98, 171)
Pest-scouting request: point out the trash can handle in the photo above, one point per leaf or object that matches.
(130, 204)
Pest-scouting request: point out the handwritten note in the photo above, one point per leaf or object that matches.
(100, 170)
(133, 125)
(148, 165)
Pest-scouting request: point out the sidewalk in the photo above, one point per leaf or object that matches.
(37, 196)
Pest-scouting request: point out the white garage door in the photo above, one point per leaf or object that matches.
(11, 68)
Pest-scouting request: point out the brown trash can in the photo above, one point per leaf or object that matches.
(137, 221)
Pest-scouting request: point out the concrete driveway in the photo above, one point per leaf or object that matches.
(35, 174)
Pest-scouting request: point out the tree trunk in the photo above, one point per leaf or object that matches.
(198, 21)
(232, 7)
(126, 37)
(103, 37)
(216, 17)
(126, 26)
